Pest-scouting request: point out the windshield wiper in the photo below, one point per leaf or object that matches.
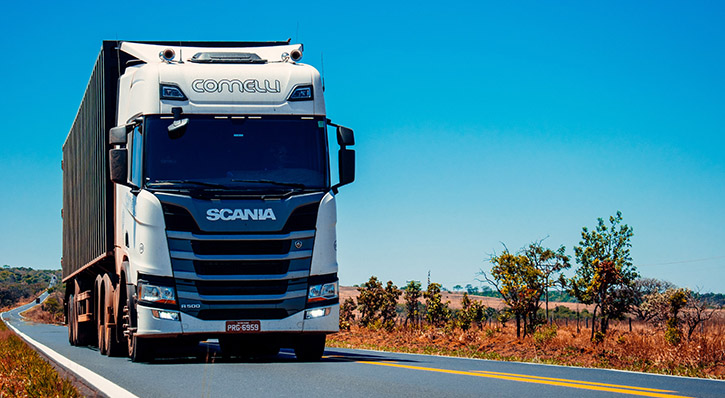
(281, 183)
(190, 182)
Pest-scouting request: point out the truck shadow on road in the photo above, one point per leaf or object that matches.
(209, 352)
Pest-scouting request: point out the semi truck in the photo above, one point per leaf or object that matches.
(198, 201)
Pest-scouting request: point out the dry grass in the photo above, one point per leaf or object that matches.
(644, 349)
(23, 373)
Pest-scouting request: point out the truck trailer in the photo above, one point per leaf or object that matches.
(198, 201)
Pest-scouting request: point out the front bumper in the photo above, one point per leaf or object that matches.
(150, 326)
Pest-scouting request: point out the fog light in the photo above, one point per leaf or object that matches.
(168, 315)
(317, 313)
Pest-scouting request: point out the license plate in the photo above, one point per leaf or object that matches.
(243, 326)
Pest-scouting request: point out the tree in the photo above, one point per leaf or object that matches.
(667, 308)
(389, 304)
(457, 288)
(676, 300)
(437, 312)
(411, 294)
(370, 300)
(644, 304)
(549, 263)
(605, 271)
(520, 285)
(347, 314)
(697, 311)
(471, 311)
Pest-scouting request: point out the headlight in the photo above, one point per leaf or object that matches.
(322, 292)
(156, 294)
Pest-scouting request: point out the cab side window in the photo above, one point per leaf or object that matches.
(136, 156)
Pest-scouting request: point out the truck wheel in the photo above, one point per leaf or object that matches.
(72, 320)
(100, 312)
(112, 346)
(141, 349)
(310, 348)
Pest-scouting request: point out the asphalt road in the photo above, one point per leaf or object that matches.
(358, 373)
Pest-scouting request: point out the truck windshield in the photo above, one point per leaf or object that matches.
(260, 153)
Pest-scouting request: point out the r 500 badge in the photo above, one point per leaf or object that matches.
(243, 326)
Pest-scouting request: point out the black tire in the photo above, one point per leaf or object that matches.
(112, 346)
(139, 349)
(72, 324)
(100, 314)
(142, 351)
(310, 348)
(129, 315)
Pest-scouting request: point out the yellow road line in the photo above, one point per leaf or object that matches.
(526, 379)
(573, 381)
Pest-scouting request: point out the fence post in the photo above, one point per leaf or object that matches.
(630, 325)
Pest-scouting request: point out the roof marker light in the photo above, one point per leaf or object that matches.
(167, 55)
(302, 93)
(295, 55)
(172, 92)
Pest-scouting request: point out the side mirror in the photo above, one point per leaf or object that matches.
(119, 135)
(118, 163)
(178, 128)
(346, 157)
(345, 136)
(346, 163)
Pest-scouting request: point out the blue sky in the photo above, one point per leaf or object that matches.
(477, 123)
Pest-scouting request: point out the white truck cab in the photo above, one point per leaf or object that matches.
(217, 198)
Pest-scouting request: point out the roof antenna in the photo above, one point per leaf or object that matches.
(118, 55)
(181, 53)
(322, 66)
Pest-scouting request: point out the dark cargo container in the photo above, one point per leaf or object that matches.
(87, 191)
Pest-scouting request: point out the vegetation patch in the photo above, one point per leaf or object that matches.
(23, 373)
(21, 284)
(643, 350)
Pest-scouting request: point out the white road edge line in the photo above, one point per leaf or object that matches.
(106, 386)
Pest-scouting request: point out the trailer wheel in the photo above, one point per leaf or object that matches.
(310, 348)
(72, 325)
(100, 313)
(112, 346)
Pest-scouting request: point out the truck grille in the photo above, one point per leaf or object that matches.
(241, 247)
(241, 267)
(222, 288)
(236, 276)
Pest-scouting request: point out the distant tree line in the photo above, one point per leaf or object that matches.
(18, 283)
(605, 279)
